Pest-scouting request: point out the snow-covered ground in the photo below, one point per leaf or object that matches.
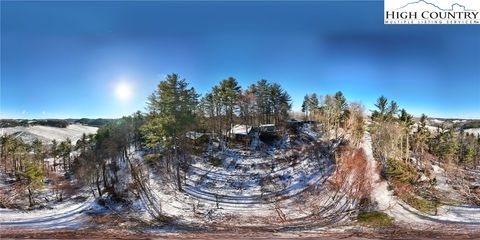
(273, 187)
(442, 183)
(69, 214)
(437, 121)
(405, 214)
(47, 134)
(239, 194)
(257, 188)
(53, 215)
(475, 131)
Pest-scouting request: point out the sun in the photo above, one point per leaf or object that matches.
(123, 91)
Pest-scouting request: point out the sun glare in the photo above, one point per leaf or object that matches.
(123, 91)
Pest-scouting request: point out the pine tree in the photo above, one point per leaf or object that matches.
(172, 112)
(384, 111)
(421, 136)
(65, 148)
(313, 105)
(342, 107)
(54, 153)
(280, 102)
(263, 100)
(449, 146)
(392, 111)
(382, 105)
(468, 157)
(82, 144)
(7, 144)
(32, 177)
(305, 106)
(229, 93)
(407, 122)
(38, 151)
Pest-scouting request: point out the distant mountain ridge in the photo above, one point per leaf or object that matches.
(60, 123)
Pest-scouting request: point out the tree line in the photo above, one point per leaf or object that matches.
(407, 149)
(338, 119)
(398, 136)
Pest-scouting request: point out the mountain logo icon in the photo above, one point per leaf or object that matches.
(435, 6)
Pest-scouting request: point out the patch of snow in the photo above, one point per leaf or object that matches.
(475, 131)
(437, 121)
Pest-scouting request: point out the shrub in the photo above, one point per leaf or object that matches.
(399, 171)
(214, 161)
(152, 157)
(374, 219)
(421, 204)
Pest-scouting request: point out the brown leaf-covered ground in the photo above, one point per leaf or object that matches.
(358, 234)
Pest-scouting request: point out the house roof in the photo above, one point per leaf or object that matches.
(240, 129)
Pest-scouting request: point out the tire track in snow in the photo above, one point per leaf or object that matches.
(66, 215)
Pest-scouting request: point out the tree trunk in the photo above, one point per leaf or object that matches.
(407, 151)
(179, 181)
(14, 164)
(401, 148)
(69, 163)
(97, 182)
(168, 164)
(30, 198)
(6, 157)
(177, 162)
(93, 191)
(104, 176)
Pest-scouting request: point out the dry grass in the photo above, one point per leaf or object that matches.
(351, 172)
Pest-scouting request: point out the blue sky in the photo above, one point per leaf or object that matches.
(64, 59)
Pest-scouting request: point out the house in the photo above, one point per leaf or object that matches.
(266, 128)
(240, 132)
(267, 133)
(294, 123)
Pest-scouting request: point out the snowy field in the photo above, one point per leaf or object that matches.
(47, 134)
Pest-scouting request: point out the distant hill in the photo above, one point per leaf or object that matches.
(48, 133)
(59, 123)
(456, 123)
(98, 122)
